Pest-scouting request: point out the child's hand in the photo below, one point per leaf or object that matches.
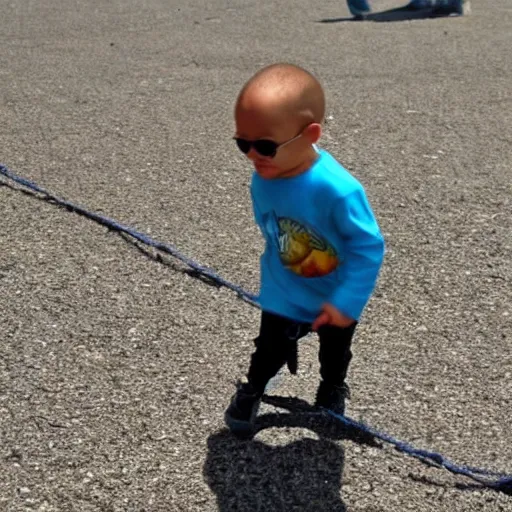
(331, 316)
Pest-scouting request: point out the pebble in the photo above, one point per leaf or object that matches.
(23, 492)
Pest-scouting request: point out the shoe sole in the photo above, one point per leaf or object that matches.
(240, 428)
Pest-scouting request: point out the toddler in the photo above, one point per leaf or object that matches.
(323, 248)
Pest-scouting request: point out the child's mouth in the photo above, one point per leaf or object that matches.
(263, 165)
(264, 169)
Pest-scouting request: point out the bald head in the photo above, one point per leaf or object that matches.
(287, 89)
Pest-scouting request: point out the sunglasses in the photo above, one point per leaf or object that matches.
(264, 147)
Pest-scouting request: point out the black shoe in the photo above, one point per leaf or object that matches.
(240, 416)
(447, 7)
(332, 397)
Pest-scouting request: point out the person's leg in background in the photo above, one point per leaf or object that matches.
(358, 8)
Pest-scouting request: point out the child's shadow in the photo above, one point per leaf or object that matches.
(399, 14)
(303, 475)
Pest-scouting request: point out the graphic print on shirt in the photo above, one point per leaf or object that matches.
(301, 250)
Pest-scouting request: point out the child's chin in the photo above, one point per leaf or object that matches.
(268, 172)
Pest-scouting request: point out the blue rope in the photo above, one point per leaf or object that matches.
(503, 482)
(141, 237)
(491, 479)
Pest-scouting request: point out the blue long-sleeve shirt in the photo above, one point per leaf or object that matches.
(323, 244)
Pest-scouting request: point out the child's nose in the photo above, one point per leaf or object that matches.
(252, 155)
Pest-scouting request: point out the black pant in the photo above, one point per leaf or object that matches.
(276, 345)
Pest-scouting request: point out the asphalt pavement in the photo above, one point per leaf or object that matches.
(116, 365)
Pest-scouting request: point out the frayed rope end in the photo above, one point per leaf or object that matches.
(504, 485)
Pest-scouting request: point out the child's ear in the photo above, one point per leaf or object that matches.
(313, 132)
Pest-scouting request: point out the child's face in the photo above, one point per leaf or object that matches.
(271, 130)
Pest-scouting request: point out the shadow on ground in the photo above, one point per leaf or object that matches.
(400, 14)
(303, 475)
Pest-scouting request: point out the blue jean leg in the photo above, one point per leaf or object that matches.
(358, 7)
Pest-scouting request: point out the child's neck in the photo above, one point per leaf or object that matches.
(308, 161)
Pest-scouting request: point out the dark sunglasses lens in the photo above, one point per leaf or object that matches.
(265, 147)
(243, 145)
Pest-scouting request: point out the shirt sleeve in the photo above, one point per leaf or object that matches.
(364, 252)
